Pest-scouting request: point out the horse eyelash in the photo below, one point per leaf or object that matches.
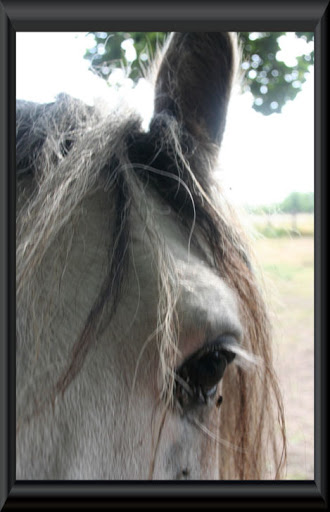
(193, 385)
(189, 393)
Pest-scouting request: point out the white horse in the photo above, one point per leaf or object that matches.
(143, 342)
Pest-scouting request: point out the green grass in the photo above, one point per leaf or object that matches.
(282, 226)
(284, 271)
(288, 268)
(281, 232)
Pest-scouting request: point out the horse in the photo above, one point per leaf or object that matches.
(144, 347)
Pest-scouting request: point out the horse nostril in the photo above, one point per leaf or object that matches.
(183, 474)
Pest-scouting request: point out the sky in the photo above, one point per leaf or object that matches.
(262, 159)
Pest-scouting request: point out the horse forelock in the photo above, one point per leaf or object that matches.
(67, 151)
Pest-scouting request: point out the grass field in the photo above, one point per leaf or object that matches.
(284, 225)
(288, 265)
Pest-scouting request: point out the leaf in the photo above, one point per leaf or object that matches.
(270, 80)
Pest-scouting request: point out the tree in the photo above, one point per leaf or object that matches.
(295, 203)
(270, 80)
(298, 202)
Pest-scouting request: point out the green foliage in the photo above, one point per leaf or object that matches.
(270, 231)
(298, 202)
(292, 217)
(295, 230)
(262, 209)
(270, 80)
(108, 53)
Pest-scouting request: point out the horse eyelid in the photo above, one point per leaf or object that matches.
(199, 375)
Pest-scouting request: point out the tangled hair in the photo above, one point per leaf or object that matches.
(67, 151)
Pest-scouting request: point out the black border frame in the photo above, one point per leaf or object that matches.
(161, 15)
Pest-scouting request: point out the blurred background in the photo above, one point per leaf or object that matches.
(266, 167)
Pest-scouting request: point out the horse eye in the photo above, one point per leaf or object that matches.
(198, 377)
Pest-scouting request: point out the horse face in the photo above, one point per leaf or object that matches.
(192, 90)
(181, 440)
(179, 320)
(112, 422)
(141, 396)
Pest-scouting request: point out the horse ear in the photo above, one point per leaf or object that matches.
(194, 82)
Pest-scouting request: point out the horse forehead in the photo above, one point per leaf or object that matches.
(206, 302)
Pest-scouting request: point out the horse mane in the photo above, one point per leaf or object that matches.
(66, 151)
